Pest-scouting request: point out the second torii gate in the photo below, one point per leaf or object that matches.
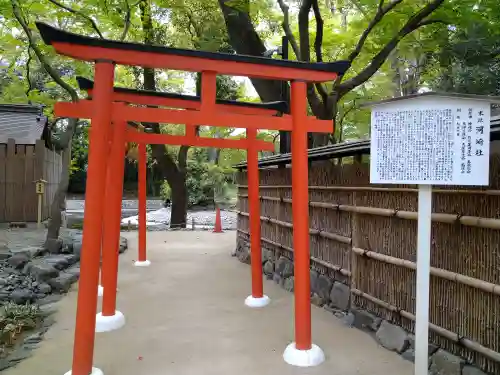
(257, 298)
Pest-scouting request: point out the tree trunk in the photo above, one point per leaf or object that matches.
(58, 202)
(179, 202)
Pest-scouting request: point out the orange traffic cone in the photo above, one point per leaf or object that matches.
(218, 223)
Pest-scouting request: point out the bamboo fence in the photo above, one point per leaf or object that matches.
(365, 236)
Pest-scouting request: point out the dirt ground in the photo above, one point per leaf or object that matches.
(185, 316)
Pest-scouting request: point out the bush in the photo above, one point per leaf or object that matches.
(15, 319)
(205, 183)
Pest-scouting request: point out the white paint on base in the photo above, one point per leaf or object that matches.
(100, 291)
(95, 371)
(256, 302)
(303, 358)
(109, 323)
(144, 263)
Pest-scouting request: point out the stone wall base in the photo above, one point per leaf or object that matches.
(332, 292)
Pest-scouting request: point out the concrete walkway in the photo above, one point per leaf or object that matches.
(185, 316)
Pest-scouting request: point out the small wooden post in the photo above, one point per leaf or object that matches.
(40, 191)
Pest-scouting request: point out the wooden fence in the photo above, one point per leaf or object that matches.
(20, 166)
(367, 235)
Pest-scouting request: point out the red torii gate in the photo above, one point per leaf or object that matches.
(106, 54)
(257, 298)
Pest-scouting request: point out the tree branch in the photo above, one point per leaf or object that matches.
(54, 74)
(79, 13)
(318, 45)
(287, 30)
(416, 21)
(28, 78)
(305, 8)
(128, 14)
(381, 12)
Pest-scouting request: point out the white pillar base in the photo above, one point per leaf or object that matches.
(254, 302)
(303, 358)
(144, 263)
(100, 291)
(95, 371)
(109, 323)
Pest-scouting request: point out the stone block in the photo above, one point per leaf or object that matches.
(317, 300)
(314, 281)
(340, 296)
(392, 337)
(288, 284)
(432, 347)
(41, 270)
(284, 267)
(244, 256)
(268, 268)
(365, 320)
(445, 363)
(324, 287)
(63, 282)
(18, 260)
(54, 245)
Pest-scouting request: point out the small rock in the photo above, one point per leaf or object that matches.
(71, 258)
(288, 284)
(75, 271)
(67, 247)
(123, 245)
(317, 300)
(34, 338)
(44, 288)
(363, 319)
(53, 245)
(314, 281)
(471, 370)
(409, 355)
(324, 287)
(77, 249)
(392, 337)
(62, 283)
(284, 267)
(431, 349)
(340, 296)
(269, 268)
(21, 296)
(2, 281)
(59, 262)
(349, 319)
(445, 363)
(18, 260)
(42, 270)
(244, 256)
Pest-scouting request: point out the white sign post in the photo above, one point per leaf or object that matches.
(429, 139)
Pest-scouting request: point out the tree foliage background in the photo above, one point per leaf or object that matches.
(396, 47)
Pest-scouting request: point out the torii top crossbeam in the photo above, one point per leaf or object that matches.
(93, 49)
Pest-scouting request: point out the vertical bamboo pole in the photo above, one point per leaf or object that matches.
(83, 350)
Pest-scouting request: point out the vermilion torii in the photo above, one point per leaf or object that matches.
(190, 102)
(103, 111)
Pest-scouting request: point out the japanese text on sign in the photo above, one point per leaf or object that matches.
(443, 142)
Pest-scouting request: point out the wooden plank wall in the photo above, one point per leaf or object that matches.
(20, 166)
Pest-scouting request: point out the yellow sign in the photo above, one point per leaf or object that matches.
(40, 188)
